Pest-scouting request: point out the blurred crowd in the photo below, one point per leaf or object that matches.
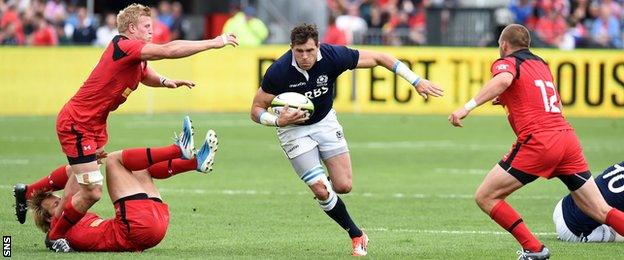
(58, 22)
(569, 24)
(380, 22)
(565, 24)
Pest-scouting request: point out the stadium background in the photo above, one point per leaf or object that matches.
(426, 166)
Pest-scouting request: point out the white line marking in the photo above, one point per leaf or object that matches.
(453, 232)
(14, 161)
(353, 194)
(482, 172)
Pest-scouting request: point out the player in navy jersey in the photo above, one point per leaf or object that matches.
(311, 69)
(575, 226)
(546, 145)
(81, 124)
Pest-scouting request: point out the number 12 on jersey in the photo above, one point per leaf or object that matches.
(549, 101)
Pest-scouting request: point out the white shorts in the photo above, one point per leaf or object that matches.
(327, 134)
(602, 233)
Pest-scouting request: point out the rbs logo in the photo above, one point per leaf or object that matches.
(317, 92)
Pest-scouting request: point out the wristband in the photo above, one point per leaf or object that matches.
(268, 119)
(224, 37)
(405, 72)
(470, 105)
(162, 80)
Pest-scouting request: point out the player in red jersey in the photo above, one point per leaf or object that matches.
(141, 218)
(81, 123)
(546, 144)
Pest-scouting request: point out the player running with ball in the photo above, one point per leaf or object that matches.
(546, 144)
(311, 69)
(81, 123)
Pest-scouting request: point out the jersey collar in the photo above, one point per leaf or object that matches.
(302, 71)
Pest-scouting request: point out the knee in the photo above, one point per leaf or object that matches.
(320, 191)
(482, 199)
(342, 188)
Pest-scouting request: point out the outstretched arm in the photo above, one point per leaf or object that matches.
(492, 89)
(181, 48)
(153, 79)
(370, 59)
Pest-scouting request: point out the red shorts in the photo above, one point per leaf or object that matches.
(546, 154)
(78, 141)
(139, 224)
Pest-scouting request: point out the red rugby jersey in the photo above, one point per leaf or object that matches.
(116, 75)
(532, 100)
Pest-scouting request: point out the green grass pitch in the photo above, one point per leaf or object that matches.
(414, 179)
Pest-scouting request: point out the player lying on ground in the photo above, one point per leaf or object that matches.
(81, 123)
(575, 226)
(141, 218)
(546, 145)
(311, 69)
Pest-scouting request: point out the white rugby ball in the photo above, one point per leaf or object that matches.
(294, 101)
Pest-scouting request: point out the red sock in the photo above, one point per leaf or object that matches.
(164, 170)
(615, 219)
(511, 221)
(69, 217)
(141, 158)
(53, 182)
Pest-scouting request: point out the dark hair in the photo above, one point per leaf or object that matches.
(302, 33)
(517, 35)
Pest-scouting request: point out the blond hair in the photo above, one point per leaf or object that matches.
(40, 215)
(130, 15)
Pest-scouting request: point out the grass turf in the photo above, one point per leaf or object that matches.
(414, 177)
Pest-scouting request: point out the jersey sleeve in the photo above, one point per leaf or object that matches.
(132, 48)
(269, 84)
(344, 58)
(503, 65)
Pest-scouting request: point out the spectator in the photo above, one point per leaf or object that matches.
(84, 33)
(521, 10)
(605, 30)
(11, 31)
(249, 30)
(551, 27)
(106, 32)
(165, 16)
(44, 35)
(160, 33)
(180, 24)
(334, 35)
(53, 9)
(354, 25)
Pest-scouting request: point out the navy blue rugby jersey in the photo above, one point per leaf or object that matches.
(317, 83)
(611, 185)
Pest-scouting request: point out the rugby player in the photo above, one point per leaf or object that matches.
(311, 69)
(546, 144)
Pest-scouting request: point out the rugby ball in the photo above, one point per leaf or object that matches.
(294, 101)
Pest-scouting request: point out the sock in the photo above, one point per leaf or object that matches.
(141, 158)
(69, 217)
(511, 221)
(339, 214)
(615, 219)
(53, 182)
(166, 169)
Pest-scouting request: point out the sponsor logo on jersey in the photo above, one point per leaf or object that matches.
(502, 67)
(127, 92)
(86, 148)
(297, 85)
(339, 134)
(321, 81)
(293, 148)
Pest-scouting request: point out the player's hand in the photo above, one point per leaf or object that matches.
(100, 155)
(456, 117)
(174, 83)
(292, 116)
(426, 88)
(496, 102)
(226, 39)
